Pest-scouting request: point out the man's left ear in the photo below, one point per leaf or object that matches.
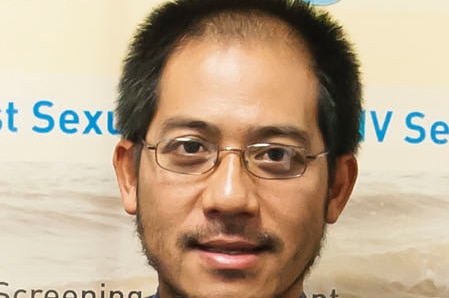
(345, 176)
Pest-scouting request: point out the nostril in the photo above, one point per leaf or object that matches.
(212, 214)
(230, 222)
(231, 212)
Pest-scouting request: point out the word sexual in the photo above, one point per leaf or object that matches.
(48, 118)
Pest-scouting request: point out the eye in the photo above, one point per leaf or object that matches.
(185, 146)
(276, 154)
(191, 146)
(273, 153)
(275, 160)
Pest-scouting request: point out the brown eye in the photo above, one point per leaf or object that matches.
(272, 153)
(183, 146)
(191, 147)
(276, 154)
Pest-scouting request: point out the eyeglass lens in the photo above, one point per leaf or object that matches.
(196, 156)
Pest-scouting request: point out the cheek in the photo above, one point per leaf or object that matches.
(294, 201)
(294, 208)
(166, 200)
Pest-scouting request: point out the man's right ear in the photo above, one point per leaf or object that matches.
(123, 161)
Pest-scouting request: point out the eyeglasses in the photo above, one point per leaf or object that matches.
(195, 156)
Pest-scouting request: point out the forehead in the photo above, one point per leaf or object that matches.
(238, 86)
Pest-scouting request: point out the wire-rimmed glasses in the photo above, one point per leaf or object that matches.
(195, 156)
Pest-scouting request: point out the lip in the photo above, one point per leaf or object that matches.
(230, 253)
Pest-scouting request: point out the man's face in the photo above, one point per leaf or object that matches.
(227, 233)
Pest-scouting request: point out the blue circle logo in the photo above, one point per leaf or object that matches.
(321, 2)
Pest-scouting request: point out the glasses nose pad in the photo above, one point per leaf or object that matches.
(229, 150)
(244, 161)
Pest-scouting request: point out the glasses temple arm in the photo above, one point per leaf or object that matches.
(148, 146)
(324, 153)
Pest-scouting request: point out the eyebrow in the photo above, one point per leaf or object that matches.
(263, 132)
(254, 133)
(186, 122)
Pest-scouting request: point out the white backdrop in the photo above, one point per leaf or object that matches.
(61, 222)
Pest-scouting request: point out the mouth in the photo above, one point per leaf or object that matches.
(231, 247)
(230, 253)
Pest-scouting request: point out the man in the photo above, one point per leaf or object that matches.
(240, 125)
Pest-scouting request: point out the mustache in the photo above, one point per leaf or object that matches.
(264, 240)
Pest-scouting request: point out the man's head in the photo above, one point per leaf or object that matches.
(204, 80)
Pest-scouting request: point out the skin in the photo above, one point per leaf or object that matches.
(234, 89)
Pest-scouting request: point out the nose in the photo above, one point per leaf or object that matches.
(230, 190)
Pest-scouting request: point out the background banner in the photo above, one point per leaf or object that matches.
(63, 232)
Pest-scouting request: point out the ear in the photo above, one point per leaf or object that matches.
(343, 183)
(123, 161)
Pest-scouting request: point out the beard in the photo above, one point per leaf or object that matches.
(189, 240)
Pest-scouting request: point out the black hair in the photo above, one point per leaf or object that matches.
(333, 60)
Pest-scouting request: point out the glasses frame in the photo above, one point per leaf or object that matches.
(309, 157)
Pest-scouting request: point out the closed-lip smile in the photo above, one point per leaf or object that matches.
(230, 253)
(229, 246)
